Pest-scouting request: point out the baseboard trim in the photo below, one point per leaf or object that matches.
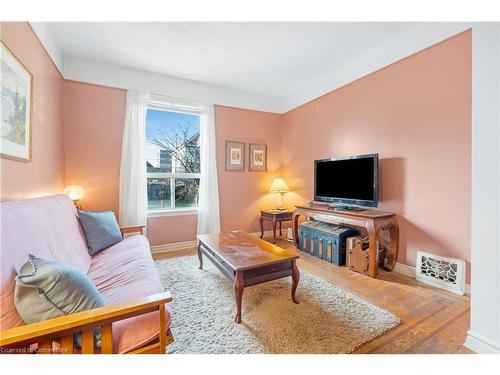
(405, 270)
(480, 344)
(173, 246)
(411, 272)
(267, 233)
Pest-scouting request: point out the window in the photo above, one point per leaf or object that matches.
(172, 156)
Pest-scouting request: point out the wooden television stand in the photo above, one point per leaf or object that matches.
(372, 220)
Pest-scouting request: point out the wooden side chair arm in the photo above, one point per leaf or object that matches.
(63, 327)
(133, 229)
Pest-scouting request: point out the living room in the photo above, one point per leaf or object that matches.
(341, 198)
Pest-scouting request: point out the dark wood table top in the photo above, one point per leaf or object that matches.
(243, 251)
(276, 215)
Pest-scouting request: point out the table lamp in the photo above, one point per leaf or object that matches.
(76, 193)
(279, 187)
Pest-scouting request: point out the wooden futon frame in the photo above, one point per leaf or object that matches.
(55, 336)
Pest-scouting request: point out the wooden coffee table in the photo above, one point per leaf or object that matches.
(247, 260)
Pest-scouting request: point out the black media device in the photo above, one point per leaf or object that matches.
(349, 182)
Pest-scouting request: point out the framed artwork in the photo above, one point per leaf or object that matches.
(258, 157)
(235, 156)
(17, 97)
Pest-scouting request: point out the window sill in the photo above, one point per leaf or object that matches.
(174, 212)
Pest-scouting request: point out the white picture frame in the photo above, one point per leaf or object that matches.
(235, 156)
(257, 157)
(16, 95)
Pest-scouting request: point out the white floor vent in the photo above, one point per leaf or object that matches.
(442, 272)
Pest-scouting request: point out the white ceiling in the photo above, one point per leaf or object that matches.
(270, 59)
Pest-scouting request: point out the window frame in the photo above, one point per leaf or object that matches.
(167, 104)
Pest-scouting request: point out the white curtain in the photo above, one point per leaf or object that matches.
(133, 190)
(208, 203)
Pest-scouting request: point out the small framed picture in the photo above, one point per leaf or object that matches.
(258, 157)
(16, 113)
(235, 156)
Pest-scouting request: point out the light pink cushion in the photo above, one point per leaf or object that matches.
(46, 227)
(125, 272)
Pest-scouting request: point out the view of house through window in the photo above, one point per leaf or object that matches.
(172, 159)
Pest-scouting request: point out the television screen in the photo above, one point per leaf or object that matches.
(351, 180)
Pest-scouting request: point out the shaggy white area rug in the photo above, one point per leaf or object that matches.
(327, 320)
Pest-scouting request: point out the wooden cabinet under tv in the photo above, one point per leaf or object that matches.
(373, 221)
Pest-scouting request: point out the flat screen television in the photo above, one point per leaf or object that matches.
(349, 181)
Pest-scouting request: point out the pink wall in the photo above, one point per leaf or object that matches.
(243, 194)
(44, 174)
(94, 117)
(416, 114)
(93, 127)
(171, 229)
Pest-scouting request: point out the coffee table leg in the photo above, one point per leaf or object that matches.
(238, 293)
(199, 256)
(295, 280)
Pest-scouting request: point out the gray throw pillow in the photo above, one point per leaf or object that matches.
(101, 230)
(46, 289)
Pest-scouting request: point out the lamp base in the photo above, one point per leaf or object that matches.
(279, 203)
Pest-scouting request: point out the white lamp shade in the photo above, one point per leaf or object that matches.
(75, 192)
(279, 186)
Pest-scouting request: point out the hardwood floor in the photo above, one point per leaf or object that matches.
(433, 320)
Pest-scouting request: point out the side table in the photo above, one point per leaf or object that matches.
(275, 217)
